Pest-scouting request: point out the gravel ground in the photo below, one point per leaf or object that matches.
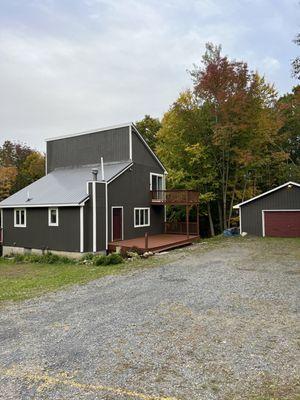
(220, 322)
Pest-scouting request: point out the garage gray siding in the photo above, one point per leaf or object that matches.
(38, 235)
(130, 190)
(282, 199)
(112, 145)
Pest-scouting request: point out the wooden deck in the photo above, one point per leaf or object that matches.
(156, 243)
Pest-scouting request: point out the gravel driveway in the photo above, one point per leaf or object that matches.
(220, 322)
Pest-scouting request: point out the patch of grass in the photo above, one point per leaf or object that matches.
(23, 280)
(26, 280)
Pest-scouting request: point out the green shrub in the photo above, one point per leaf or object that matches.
(18, 258)
(111, 259)
(87, 257)
(47, 258)
(100, 260)
(115, 258)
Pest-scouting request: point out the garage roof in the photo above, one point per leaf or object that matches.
(265, 193)
(62, 187)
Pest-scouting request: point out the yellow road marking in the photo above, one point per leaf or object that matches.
(49, 380)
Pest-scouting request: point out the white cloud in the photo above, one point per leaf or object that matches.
(108, 61)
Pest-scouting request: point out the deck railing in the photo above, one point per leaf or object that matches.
(181, 228)
(176, 196)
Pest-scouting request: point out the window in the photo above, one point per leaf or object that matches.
(20, 217)
(53, 216)
(157, 186)
(141, 217)
(156, 181)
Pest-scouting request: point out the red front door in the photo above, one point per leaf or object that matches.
(117, 222)
(282, 223)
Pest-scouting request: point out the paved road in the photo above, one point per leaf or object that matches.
(219, 323)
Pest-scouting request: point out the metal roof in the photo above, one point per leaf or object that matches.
(62, 187)
(265, 193)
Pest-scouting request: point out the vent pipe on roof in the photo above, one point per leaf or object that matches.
(95, 174)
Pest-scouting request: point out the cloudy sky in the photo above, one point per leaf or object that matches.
(73, 65)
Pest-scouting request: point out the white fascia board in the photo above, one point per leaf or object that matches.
(265, 193)
(41, 205)
(120, 173)
(106, 128)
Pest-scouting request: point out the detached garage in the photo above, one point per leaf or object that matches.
(274, 213)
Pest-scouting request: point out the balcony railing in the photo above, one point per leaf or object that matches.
(181, 228)
(176, 196)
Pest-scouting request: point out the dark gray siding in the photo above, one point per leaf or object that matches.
(88, 219)
(132, 189)
(142, 155)
(251, 213)
(112, 145)
(38, 235)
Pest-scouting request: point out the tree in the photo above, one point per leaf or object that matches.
(7, 179)
(20, 165)
(296, 62)
(289, 109)
(149, 127)
(181, 145)
(221, 137)
(32, 169)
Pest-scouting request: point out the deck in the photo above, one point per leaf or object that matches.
(156, 243)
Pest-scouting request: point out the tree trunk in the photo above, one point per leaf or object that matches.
(211, 224)
(220, 216)
(231, 201)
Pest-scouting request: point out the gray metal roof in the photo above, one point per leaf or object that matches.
(63, 186)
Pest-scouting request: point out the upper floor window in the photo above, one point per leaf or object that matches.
(53, 216)
(20, 217)
(156, 181)
(141, 217)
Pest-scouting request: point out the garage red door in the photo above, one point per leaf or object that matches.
(282, 223)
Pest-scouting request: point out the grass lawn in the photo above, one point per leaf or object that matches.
(19, 281)
(23, 281)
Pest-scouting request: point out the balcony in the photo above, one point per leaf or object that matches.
(181, 228)
(174, 197)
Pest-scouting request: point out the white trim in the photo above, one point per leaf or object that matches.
(149, 148)
(160, 175)
(283, 210)
(49, 217)
(240, 218)
(130, 142)
(141, 208)
(81, 229)
(1, 219)
(279, 210)
(106, 128)
(120, 173)
(41, 205)
(15, 218)
(265, 193)
(112, 222)
(106, 217)
(94, 218)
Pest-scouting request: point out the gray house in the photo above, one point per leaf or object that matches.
(96, 190)
(273, 213)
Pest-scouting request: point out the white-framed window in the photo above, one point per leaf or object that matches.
(53, 216)
(20, 217)
(156, 181)
(141, 217)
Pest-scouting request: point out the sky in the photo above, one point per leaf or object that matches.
(73, 65)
